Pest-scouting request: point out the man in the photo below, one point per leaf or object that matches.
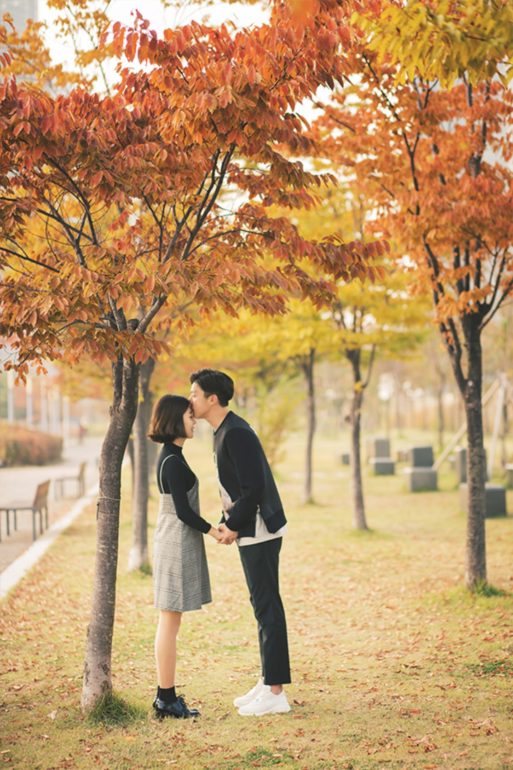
(253, 517)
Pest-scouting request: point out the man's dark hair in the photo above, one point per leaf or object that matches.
(213, 382)
(167, 419)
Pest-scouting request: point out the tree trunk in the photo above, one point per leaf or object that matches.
(359, 518)
(97, 668)
(471, 390)
(308, 369)
(138, 556)
(476, 479)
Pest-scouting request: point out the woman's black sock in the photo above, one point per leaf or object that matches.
(167, 694)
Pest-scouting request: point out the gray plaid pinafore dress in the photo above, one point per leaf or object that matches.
(180, 571)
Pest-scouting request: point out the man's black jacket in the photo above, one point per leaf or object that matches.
(245, 474)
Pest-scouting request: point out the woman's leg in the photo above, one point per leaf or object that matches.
(165, 647)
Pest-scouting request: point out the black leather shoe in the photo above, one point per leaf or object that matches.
(178, 709)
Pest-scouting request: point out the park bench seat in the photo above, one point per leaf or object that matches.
(39, 507)
(78, 479)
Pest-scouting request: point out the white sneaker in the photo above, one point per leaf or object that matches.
(243, 700)
(266, 703)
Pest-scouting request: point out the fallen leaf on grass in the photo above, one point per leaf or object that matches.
(487, 725)
(425, 743)
(409, 712)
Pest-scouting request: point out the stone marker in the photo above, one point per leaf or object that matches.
(421, 479)
(380, 448)
(421, 457)
(461, 464)
(383, 466)
(495, 499)
(379, 457)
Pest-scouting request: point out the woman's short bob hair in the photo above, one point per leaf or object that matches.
(167, 419)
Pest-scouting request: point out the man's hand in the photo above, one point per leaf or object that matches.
(228, 536)
(214, 532)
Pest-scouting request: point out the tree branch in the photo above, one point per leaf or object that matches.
(26, 258)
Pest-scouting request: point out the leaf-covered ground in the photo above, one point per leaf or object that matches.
(394, 665)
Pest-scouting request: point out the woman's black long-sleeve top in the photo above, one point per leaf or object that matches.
(177, 480)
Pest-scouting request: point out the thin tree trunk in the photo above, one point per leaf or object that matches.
(471, 390)
(97, 668)
(308, 370)
(476, 479)
(476, 464)
(138, 556)
(359, 518)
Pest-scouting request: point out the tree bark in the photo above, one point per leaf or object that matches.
(359, 517)
(138, 556)
(471, 390)
(97, 681)
(476, 461)
(308, 370)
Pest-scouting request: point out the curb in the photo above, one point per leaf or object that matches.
(12, 575)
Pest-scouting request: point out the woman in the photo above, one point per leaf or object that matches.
(180, 569)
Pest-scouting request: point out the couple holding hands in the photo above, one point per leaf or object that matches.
(252, 515)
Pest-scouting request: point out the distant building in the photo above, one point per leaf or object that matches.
(20, 10)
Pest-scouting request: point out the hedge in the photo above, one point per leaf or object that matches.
(24, 446)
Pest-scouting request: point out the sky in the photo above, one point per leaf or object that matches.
(159, 17)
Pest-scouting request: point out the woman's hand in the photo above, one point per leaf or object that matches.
(228, 536)
(214, 532)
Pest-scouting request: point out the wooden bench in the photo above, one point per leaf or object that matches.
(39, 507)
(79, 480)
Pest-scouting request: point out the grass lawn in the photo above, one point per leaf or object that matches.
(394, 664)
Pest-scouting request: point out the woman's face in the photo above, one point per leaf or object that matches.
(189, 422)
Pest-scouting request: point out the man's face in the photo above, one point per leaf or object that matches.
(200, 402)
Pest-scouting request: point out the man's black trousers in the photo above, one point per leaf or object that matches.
(261, 565)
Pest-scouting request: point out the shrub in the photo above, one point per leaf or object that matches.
(23, 446)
